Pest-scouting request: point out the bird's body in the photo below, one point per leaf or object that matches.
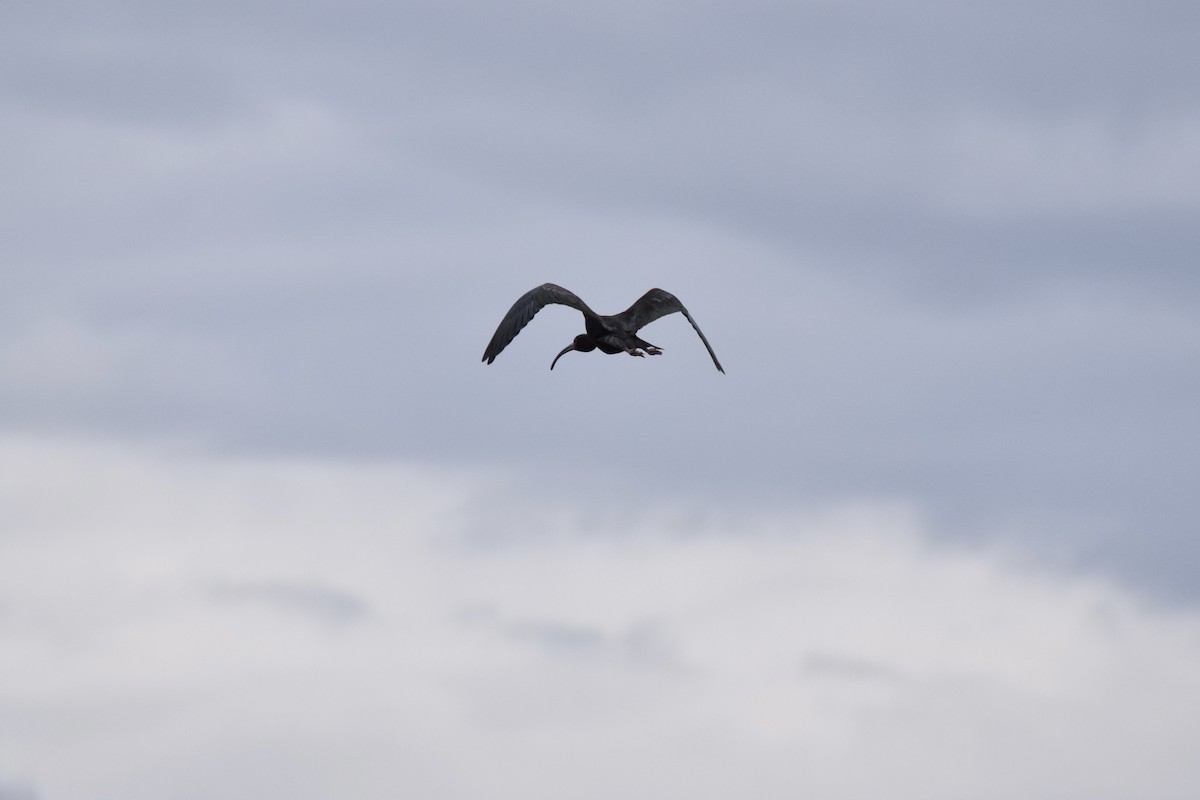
(608, 334)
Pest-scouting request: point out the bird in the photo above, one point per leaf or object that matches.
(608, 334)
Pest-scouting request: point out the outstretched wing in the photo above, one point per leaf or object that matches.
(657, 303)
(523, 310)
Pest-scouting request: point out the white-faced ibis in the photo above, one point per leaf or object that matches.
(611, 334)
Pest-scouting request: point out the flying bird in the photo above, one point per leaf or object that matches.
(608, 334)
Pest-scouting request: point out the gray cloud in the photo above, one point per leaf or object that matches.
(335, 607)
(945, 250)
(644, 643)
(838, 667)
(16, 791)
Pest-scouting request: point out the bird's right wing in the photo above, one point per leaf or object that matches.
(655, 304)
(525, 308)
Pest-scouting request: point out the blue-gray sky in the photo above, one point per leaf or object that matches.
(945, 251)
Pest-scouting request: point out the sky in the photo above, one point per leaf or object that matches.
(268, 526)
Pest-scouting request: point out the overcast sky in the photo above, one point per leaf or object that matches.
(938, 514)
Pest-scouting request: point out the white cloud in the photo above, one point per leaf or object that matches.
(311, 629)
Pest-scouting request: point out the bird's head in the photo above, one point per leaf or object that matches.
(583, 343)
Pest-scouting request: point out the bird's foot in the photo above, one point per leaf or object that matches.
(652, 350)
(633, 351)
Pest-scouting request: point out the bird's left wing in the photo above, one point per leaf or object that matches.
(525, 308)
(658, 303)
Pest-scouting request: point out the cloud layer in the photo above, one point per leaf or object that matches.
(910, 545)
(249, 627)
(945, 250)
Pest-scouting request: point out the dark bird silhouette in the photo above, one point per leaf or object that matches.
(611, 334)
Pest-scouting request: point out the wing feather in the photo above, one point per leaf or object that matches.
(657, 303)
(524, 310)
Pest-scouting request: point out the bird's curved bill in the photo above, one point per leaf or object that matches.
(566, 350)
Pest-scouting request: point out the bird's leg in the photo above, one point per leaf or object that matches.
(644, 349)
